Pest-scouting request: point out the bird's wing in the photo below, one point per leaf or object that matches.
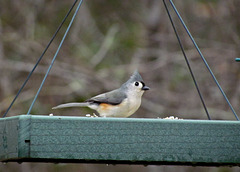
(114, 97)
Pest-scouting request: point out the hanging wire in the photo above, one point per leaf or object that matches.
(39, 59)
(54, 58)
(186, 59)
(204, 60)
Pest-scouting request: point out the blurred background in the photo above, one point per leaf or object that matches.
(107, 42)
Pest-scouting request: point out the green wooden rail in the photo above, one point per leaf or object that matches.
(30, 138)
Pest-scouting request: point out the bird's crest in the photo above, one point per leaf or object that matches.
(135, 77)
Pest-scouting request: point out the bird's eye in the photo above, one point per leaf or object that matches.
(136, 83)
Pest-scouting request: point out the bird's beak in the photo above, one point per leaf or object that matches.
(145, 88)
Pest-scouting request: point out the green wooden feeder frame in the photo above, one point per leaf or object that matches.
(33, 138)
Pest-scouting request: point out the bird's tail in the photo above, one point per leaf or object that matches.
(71, 105)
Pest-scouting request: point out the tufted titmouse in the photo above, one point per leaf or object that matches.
(121, 102)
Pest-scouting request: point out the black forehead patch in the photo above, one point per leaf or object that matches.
(143, 83)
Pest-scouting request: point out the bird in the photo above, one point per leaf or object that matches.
(121, 102)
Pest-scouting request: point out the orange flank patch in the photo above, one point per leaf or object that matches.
(105, 106)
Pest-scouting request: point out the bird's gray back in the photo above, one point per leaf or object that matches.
(114, 97)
